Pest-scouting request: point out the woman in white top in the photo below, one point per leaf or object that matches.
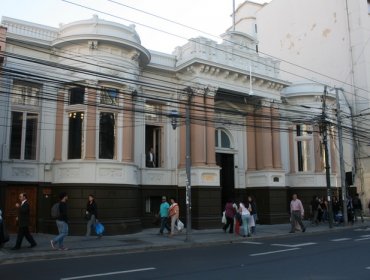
(245, 213)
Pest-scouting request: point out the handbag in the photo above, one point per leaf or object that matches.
(180, 225)
(223, 219)
(99, 228)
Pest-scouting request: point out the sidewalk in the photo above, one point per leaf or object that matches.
(148, 239)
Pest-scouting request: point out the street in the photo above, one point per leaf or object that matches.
(335, 255)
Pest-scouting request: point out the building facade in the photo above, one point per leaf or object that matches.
(83, 104)
(324, 42)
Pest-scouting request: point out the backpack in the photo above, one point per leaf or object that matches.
(55, 211)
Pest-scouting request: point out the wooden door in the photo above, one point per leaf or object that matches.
(11, 198)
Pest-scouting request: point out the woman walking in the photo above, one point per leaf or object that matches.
(174, 212)
(245, 213)
(91, 214)
(229, 214)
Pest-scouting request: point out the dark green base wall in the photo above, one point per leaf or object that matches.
(124, 209)
(118, 208)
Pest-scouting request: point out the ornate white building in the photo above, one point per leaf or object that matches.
(82, 105)
(325, 42)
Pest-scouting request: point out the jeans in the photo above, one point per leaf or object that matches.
(245, 219)
(90, 223)
(164, 224)
(63, 232)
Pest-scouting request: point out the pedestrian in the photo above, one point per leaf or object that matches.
(62, 223)
(315, 204)
(91, 214)
(296, 214)
(174, 212)
(230, 215)
(4, 237)
(253, 207)
(150, 158)
(163, 214)
(246, 215)
(357, 207)
(350, 210)
(23, 219)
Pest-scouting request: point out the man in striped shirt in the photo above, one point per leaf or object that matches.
(296, 214)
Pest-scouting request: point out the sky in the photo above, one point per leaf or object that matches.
(212, 17)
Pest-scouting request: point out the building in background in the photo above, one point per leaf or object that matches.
(323, 42)
(83, 104)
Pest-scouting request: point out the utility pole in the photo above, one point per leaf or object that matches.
(327, 166)
(189, 92)
(341, 159)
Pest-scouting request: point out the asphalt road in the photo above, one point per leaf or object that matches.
(336, 255)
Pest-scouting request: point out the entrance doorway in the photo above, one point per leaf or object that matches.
(11, 212)
(227, 184)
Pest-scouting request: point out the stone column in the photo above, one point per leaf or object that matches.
(251, 142)
(291, 149)
(276, 144)
(267, 139)
(182, 134)
(59, 126)
(198, 130)
(333, 153)
(210, 123)
(317, 150)
(91, 123)
(128, 128)
(259, 139)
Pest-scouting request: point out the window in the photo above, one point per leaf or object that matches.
(75, 135)
(23, 136)
(107, 135)
(76, 95)
(304, 147)
(24, 93)
(222, 140)
(109, 96)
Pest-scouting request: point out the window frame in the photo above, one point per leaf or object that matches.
(23, 135)
(115, 132)
(306, 137)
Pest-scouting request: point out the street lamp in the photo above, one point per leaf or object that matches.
(174, 115)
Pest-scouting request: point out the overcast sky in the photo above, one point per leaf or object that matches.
(210, 16)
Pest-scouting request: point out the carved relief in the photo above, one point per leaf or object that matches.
(23, 172)
(111, 172)
(93, 44)
(69, 172)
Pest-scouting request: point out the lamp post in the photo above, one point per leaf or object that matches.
(174, 115)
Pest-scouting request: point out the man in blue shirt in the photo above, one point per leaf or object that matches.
(163, 214)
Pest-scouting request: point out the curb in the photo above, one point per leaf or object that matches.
(11, 258)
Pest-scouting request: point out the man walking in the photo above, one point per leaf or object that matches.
(296, 214)
(357, 207)
(62, 223)
(23, 223)
(163, 214)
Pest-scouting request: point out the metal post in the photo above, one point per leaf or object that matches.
(327, 165)
(188, 167)
(341, 160)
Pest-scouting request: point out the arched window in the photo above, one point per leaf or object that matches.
(222, 139)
